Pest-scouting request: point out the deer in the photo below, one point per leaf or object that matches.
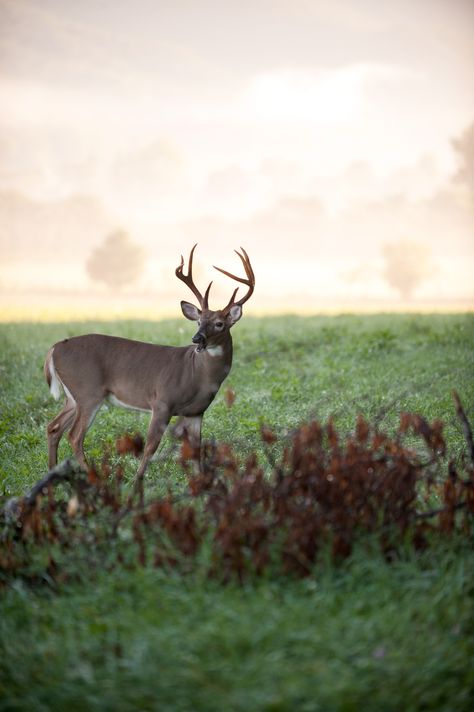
(166, 381)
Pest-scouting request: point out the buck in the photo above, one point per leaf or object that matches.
(164, 380)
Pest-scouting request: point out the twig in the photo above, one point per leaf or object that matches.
(441, 510)
(64, 472)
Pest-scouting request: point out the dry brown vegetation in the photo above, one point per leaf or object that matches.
(315, 492)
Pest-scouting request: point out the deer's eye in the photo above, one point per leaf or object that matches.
(219, 324)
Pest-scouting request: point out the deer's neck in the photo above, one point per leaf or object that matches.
(216, 360)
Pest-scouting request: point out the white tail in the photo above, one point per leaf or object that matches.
(52, 376)
(164, 380)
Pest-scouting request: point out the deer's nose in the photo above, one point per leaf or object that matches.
(199, 338)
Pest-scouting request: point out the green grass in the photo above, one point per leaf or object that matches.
(285, 369)
(364, 636)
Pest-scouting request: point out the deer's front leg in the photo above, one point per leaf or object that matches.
(160, 418)
(190, 427)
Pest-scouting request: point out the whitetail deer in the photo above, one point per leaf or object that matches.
(165, 380)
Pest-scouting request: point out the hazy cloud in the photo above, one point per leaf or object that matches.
(148, 175)
(55, 231)
(464, 147)
(313, 133)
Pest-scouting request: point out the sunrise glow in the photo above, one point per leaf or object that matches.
(334, 141)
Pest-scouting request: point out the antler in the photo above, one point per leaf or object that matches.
(188, 280)
(250, 281)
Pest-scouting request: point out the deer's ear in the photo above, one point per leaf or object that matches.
(190, 311)
(235, 312)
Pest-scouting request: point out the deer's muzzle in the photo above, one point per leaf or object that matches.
(200, 339)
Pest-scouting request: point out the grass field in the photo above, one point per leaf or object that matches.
(364, 635)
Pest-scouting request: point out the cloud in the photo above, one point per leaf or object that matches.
(147, 175)
(48, 164)
(46, 45)
(50, 232)
(36, 104)
(314, 95)
(299, 245)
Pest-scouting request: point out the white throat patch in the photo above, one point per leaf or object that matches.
(215, 350)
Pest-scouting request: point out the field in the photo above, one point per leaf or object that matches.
(365, 634)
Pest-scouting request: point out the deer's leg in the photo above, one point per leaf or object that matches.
(190, 427)
(85, 415)
(56, 429)
(160, 418)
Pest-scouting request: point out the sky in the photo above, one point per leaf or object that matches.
(318, 135)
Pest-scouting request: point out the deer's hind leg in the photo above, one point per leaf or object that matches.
(56, 429)
(84, 415)
(160, 418)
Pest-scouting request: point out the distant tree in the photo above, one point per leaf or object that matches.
(117, 262)
(407, 264)
(464, 147)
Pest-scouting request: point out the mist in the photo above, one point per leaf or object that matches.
(336, 146)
